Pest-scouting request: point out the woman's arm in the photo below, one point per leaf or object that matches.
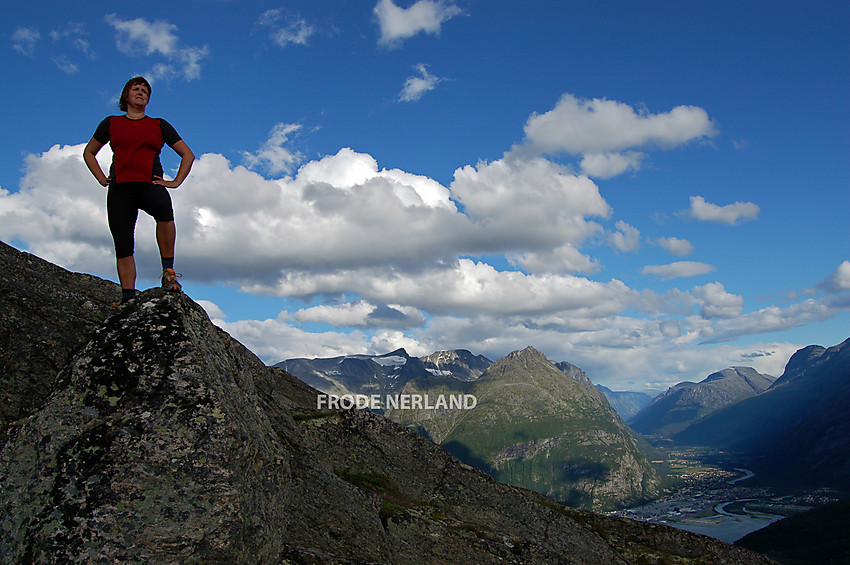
(186, 160)
(90, 157)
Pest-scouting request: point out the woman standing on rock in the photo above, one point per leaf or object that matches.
(135, 180)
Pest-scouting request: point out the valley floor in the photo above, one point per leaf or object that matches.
(719, 501)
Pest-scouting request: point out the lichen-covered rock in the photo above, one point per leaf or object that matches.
(152, 448)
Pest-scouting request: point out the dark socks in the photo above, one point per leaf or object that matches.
(127, 294)
(167, 263)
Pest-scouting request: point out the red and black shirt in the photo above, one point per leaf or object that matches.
(136, 145)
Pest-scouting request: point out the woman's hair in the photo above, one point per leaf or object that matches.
(122, 102)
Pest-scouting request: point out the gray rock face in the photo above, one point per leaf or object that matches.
(574, 372)
(458, 363)
(166, 441)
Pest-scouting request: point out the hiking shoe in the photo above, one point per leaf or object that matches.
(169, 280)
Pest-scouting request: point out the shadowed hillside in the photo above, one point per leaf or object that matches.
(796, 432)
(816, 537)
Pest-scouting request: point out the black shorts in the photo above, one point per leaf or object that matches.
(123, 202)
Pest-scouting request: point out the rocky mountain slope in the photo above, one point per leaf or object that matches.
(795, 432)
(166, 441)
(47, 314)
(458, 363)
(573, 372)
(687, 402)
(541, 426)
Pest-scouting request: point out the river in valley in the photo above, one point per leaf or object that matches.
(715, 505)
(728, 526)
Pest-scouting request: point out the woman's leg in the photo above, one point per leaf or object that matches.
(127, 272)
(166, 234)
(122, 213)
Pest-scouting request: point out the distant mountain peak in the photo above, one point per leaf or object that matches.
(755, 380)
(400, 352)
(461, 364)
(799, 364)
(526, 355)
(686, 402)
(625, 403)
(528, 351)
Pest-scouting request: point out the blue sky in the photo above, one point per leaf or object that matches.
(652, 191)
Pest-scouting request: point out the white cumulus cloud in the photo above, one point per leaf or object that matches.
(140, 37)
(606, 133)
(717, 303)
(608, 165)
(678, 269)
(674, 245)
(398, 23)
(274, 156)
(839, 280)
(362, 314)
(769, 319)
(24, 40)
(286, 29)
(416, 86)
(729, 214)
(529, 204)
(626, 238)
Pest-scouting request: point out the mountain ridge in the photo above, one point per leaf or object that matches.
(687, 402)
(365, 374)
